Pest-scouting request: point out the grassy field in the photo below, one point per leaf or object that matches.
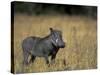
(79, 34)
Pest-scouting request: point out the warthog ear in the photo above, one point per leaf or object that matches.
(51, 29)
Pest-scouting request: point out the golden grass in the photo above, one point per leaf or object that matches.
(79, 34)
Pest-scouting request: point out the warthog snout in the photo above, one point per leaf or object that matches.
(63, 45)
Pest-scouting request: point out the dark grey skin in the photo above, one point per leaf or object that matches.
(43, 47)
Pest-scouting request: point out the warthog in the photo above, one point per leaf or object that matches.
(43, 47)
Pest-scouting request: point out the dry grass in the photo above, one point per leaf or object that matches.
(79, 33)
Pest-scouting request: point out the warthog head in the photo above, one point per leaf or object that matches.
(56, 38)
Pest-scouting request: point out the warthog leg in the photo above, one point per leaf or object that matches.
(26, 55)
(46, 58)
(32, 58)
(53, 59)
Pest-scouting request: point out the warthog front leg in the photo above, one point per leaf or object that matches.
(46, 58)
(53, 58)
(32, 58)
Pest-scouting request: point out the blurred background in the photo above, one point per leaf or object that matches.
(77, 23)
(45, 9)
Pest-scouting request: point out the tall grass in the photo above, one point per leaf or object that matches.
(79, 34)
